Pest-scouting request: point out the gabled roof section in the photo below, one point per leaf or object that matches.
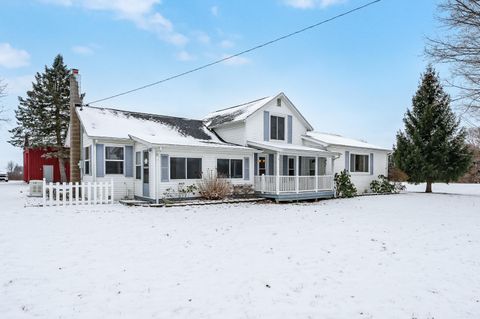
(241, 112)
(327, 139)
(118, 124)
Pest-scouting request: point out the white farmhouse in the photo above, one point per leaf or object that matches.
(266, 144)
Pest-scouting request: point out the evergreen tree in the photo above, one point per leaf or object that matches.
(432, 148)
(43, 116)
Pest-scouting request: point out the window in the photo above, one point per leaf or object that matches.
(138, 165)
(262, 166)
(185, 168)
(359, 163)
(307, 166)
(194, 168)
(229, 168)
(279, 102)
(322, 166)
(277, 128)
(223, 168)
(291, 166)
(114, 157)
(236, 168)
(87, 161)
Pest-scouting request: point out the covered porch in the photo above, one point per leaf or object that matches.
(287, 172)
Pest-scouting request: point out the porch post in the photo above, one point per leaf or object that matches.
(277, 173)
(297, 179)
(332, 173)
(316, 173)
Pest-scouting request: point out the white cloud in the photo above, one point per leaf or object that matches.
(83, 49)
(140, 12)
(227, 44)
(19, 85)
(309, 4)
(215, 10)
(184, 56)
(202, 37)
(13, 58)
(238, 60)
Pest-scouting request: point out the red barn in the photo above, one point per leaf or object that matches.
(36, 166)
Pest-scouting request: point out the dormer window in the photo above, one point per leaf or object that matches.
(279, 102)
(277, 128)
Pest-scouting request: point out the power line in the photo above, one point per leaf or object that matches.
(239, 53)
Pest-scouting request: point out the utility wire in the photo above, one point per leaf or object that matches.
(239, 53)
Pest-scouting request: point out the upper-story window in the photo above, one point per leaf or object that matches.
(114, 157)
(277, 128)
(359, 163)
(279, 102)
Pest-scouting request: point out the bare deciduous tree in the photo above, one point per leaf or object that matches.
(3, 88)
(460, 47)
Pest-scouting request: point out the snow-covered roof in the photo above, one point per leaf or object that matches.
(334, 139)
(243, 111)
(151, 128)
(235, 113)
(286, 148)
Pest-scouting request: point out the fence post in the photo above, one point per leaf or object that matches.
(44, 192)
(70, 193)
(50, 194)
(64, 194)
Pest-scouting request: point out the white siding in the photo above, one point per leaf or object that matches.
(362, 180)
(209, 163)
(123, 186)
(254, 124)
(234, 133)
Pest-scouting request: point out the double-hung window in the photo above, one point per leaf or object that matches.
(138, 165)
(229, 168)
(185, 168)
(359, 163)
(87, 161)
(277, 128)
(114, 159)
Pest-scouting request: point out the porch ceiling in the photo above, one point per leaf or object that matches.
(290, 149)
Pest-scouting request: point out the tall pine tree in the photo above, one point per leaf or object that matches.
(43, 115)
(432, 148)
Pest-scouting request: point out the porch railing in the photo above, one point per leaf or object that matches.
(293, 184)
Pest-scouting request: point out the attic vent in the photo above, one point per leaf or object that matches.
(279, 102)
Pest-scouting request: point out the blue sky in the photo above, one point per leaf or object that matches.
(354, 76)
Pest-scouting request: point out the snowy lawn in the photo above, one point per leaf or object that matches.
(411, 255)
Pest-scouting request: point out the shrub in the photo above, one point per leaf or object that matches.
(384, 186)
(344, 186)
(212, 187)
(243, 190)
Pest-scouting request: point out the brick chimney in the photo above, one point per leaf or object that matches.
(75, 142)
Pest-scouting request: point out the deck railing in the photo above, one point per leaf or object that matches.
(293, 184)
(63, 194)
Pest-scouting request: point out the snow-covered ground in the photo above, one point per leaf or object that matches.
(411, 255)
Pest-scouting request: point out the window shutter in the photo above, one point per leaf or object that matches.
(255, 164)
(246, 168)
(270, 164)
(100, 160)
(285, 165)
(164, 167)
(371, 163)
(347, 161)
(290, 129)
(266, 126)
(128, 161)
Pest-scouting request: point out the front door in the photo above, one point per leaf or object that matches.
(262, 165)
(146, 177)
(48, 173)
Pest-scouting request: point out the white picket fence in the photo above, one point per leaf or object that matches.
(63, 194)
